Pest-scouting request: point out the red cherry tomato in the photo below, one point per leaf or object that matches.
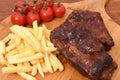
(26, 11)
(50, 3)
(59, 10)
(20, 4)
(22, 7)
(32, 17)
(46, 14)
(37, 7)
(18, 18)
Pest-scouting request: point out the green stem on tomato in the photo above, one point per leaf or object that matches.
(16, 7)
(25, 4)
(45, 6)
(22, 11)
(35, 1)
(58, 4)
(34, 11)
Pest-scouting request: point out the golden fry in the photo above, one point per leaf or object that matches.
(27, 63)
(17, 40)
(21, 55)
(47, 63)
(35, 28)
(10, 47)
(34, 70)
(46, 32)
(26, 76)
(10, 53)
(2, 47)
(34, 41)
(57, 62)
(33, 62)
(24, 59)
(2, 60)
(14, 69)
(44, 68)
(40, 68)
(31, 50)
(15, 29)
(40, 33)
(6, 39)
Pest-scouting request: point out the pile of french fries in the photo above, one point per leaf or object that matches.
(28, 51)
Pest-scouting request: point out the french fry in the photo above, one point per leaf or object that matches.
(2, 60)
(34, 70)
(15, 29)
(35, 28)
(40, 68)
(43, 42)
(21, 64)
(10, 53)
(26, 76)
(31, 50)
(24, 59)
(47, 63)
(41, 60)
(44, 67)
(17, 40)
(21, 55)
(10, 47)
(54, 65)
(46, 32)
(14, 69)
(2, 47)
(33, 62)
(30, 30)
(20, 47)
(44, 45)
(40, 33)
(34, 41)
(57, 62)
(49, 44)
(6, 39)
(12, 39)
(27, 63)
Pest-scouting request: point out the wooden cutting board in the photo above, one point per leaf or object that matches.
(70, 73)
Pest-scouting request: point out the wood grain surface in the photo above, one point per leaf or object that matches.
(70, 73)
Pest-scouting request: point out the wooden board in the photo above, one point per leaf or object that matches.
(70, 73)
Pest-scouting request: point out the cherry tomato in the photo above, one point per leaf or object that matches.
(59, 10)
(50, 3)
(46, 14)
(18, 18)
(25, 8)
(20, 4)
(26, 11)
(32, 17)
(37, 7)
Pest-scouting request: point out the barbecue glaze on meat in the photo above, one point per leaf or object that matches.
(84, 41)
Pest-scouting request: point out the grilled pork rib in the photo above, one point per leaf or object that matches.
(84, 40)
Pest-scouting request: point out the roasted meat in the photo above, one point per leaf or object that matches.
(93, 22)
(84, 41)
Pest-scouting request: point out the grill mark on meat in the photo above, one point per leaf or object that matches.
(84, 41)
